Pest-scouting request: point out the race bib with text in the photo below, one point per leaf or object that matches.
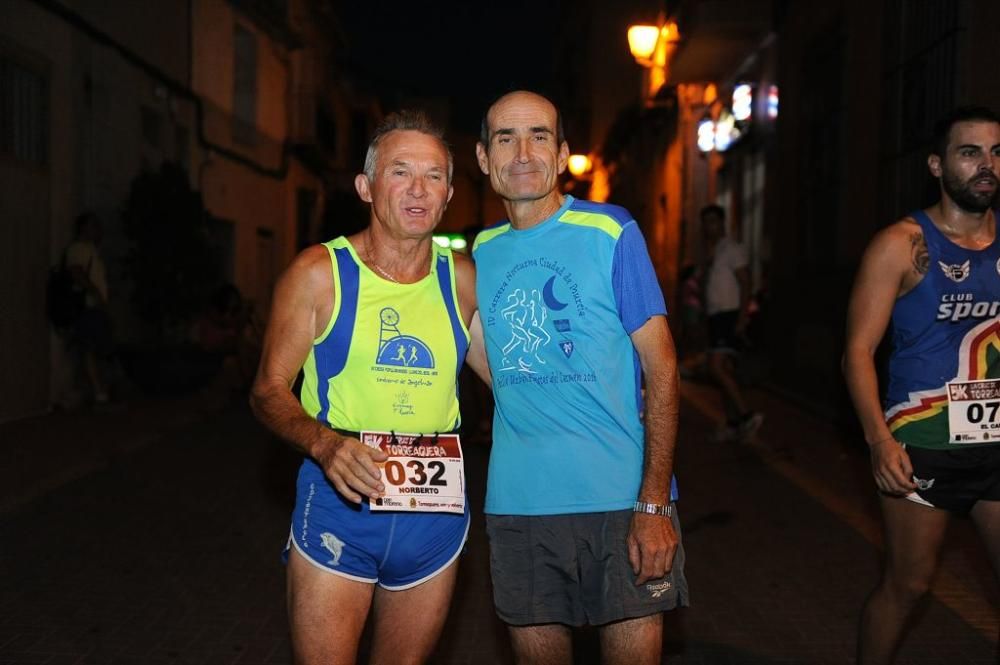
(424, 473)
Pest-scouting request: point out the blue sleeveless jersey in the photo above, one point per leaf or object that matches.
(558, 302)
(946, 328)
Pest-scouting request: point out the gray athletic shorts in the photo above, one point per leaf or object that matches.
(574, 570)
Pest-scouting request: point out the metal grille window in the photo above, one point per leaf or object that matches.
(920, 62)
(24, 113)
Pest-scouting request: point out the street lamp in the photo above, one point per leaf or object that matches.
(651, 46)
(579, 165)
(642, 42)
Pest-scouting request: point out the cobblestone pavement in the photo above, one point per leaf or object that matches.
(152, 534)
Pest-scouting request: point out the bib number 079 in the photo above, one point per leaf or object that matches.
(396, 474)
(976, 411)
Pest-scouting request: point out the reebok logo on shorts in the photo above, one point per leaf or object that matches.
(657, 590)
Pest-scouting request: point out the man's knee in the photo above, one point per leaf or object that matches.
(316, 596)
(635, 641)
(541, 644)
(908, 586)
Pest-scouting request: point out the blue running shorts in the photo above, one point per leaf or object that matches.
(392, 549)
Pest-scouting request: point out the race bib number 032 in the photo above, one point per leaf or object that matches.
(974, 411)
(424, 473)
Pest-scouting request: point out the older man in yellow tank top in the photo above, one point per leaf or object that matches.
(379, 322)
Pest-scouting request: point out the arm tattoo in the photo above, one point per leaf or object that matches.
(921, 259)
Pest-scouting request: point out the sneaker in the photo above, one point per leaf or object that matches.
(724, 433)
(750, 424)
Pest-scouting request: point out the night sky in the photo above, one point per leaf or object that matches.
(467, 52)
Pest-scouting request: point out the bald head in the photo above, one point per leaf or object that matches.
(516, 99)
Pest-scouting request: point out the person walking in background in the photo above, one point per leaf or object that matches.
(91, 333)
(727, 299)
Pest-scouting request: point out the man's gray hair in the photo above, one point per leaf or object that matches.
(405, 120)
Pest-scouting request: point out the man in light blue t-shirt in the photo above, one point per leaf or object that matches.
(579, 500)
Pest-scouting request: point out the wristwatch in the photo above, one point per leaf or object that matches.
(653, 509)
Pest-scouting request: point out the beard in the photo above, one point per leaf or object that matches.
(965, 197)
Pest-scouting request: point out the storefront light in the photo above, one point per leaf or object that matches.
(742, 102)
(452, 240)
(726, 131)
(772, 102)
(706, 135)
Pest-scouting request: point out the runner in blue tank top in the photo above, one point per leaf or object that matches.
(379, 323)
(935, 442)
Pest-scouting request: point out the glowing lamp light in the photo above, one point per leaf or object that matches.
(723, 136)
(726, 131)
(706, 135)
(579, 164)
(642, 41)
(772, 102)
(453, 240)
(710, 95)
(742, 101)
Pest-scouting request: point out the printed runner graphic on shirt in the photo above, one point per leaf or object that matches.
(526, 317)
(397, 349)
(533, 310)
(403, 361)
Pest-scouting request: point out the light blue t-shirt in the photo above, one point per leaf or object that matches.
(558, 302)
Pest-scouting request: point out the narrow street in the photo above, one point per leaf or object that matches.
(167, 549)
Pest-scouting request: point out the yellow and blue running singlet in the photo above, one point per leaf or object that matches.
(390, 355)
(388, 360)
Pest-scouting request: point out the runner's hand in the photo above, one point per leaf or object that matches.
(891, 468)
(651, 546)
(351, 467)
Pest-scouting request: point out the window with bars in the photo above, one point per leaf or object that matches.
(24, 113)
(919, 74)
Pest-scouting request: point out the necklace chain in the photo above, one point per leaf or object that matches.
(374, 263)
(379, 270)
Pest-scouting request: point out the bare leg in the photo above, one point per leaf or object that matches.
(409, 622)
(93, 369)
(986, 517)
(913, 537)
(721, 367)
(549, 644)
(326, 613)
(633, 641)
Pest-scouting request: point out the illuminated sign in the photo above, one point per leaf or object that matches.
(706, 135)
(742, 102)
(726, 131)
(772, 102)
